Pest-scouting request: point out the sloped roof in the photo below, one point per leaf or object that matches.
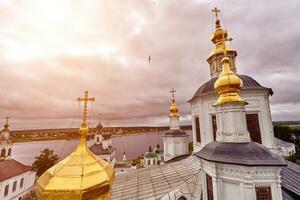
(248, 154)
(290, 177)
(98, 149)
(249, 83)
(175, 133)
(11, 168)
(156, 181)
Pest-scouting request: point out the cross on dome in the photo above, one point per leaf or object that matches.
(85, 100)
(173, 91)
(216, 11)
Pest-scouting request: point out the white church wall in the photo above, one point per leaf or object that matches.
(258, 103)
(175, 146)
(236, 182)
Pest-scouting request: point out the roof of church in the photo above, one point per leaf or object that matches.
(248, 154)
(175, 133)
(98, 149)
(11, 168)
(249, 83)
(178, 158)
(290, 176)
(157, 181)
(283, 143)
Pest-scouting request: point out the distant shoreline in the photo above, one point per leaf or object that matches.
(37, 139)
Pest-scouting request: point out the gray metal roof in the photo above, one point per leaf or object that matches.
(282, 143)
(249, 83)
(249, 154)
(175, 133)
(157, 181)
(290, 177)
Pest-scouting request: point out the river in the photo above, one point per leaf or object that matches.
(133, 145)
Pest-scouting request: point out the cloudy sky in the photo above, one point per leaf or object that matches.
(51, 51)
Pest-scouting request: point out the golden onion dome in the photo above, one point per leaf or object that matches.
(80, 176)
(228, 85)
(6, 126)
(219, 37)
(174, 109)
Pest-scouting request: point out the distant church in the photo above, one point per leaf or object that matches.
(102, 146)
(16, 179)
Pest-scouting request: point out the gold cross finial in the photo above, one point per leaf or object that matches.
(216, 11)
(85, 100)
(173, 94)
(7, 120)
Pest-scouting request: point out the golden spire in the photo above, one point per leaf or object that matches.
(219, 36)
(228, 84)
(6, 126)
(81, 175)
(173, 109)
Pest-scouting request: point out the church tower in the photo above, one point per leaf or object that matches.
(175, 140)
(5, 143)
(218, 38)
(81, 175)
(257, 111)
(234, 167)
(102, 146)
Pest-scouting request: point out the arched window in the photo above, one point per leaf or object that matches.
(148, 162)
(9, 152)
(14, 186)
(6, 190)
(22, 183)
(182, 198)
(3, 151)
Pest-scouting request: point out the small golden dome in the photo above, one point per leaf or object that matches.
(6, 126)
(174, 109)
(228, 85)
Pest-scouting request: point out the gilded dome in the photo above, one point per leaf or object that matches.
(228, 85)
(174, 109)
(80, 176)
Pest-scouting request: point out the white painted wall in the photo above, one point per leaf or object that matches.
(175, 146)
(29, 178)
(236, 182)
(258, 102)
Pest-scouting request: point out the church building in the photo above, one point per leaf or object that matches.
(175, 140)
(16, 179)
(258, 117)
(102, 146)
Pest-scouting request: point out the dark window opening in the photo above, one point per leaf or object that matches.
(253, 127)
(6, 190)
(263, 193)
(22, 183)
(209, 186)
(198, 133)
(3, 151)
(14, 186)
(214, 126)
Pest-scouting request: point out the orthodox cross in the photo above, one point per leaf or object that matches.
(173, 94)
(85, 100)
(216, 11)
